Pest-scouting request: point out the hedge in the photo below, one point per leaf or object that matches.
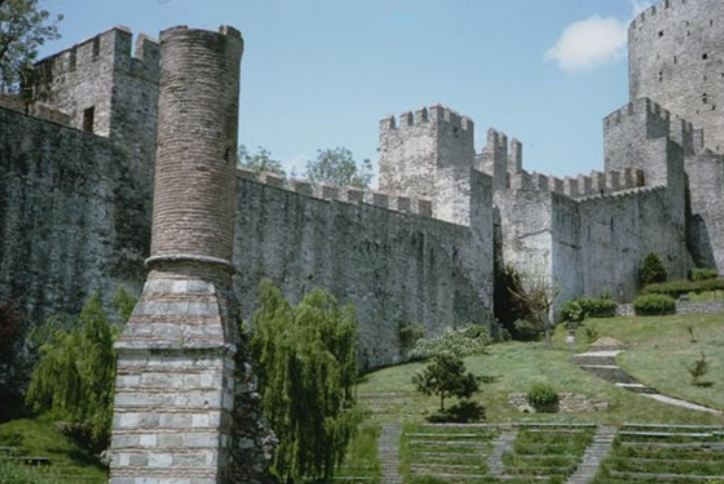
(597, 307)
(654, 305)
(677, 288)
(703, 274)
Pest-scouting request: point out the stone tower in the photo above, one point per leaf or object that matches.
(429, 154)
(176, 358)
(675, 56)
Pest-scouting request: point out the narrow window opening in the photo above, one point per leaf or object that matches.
(705, 56)
(661, 33)
(88, 119)
(96, 47)
(705, 98)
(676, 60)
(661, 76)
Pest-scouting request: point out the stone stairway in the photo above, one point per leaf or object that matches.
(388, 446)
(501, 444)
(602, 363)
(595, 453)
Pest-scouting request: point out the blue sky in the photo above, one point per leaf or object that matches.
(322, 73)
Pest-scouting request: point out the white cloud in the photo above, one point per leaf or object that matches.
(590, 43)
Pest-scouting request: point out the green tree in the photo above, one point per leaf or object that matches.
(24, 27)
(652, 270)
(74, 377)
(337, 167)
(306, 363)
(259, 162)
(446, 377)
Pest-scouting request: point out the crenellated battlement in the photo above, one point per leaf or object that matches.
(110, 47)
(390, 201)
(657, 122)
(435, 115)
(594, 183)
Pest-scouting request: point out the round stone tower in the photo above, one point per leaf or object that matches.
(676, 58)
(176, 396)
(193, 209)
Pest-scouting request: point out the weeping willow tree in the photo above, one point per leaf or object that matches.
(306, 363)
(74, 377)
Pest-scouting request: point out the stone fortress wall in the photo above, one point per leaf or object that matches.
(75, 212)
(79, 152)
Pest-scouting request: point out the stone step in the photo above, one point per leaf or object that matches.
(644, 476)
(712, 428)
(636, 387)
(610, 373)
(593, 360)
(704, 435)
(448, 443)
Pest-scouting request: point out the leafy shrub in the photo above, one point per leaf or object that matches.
(409, 333)
(677, 288)
(652, 270)
(591, 334)
(542, 395)
(469, 340)
(598, 307)
(654, 305)
(698, 370)
(703, 274)
(572, 312)
(577, 310)
(465, 411)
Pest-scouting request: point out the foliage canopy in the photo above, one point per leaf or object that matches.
(74, 378)
(445, 377)
(259, 162)
(24, 27)
(336, 166)
(306, 363)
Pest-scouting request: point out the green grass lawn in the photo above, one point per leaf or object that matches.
(516, 366)
(39, 438)
(660, 349)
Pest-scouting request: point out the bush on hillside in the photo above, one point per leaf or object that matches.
(652, 270)
(703, 274)
(465, 411)
(572, 312)
(597, 307)
(542, 396)
(409, 333)
(472, 339)
(677, 288)
(654, 305)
